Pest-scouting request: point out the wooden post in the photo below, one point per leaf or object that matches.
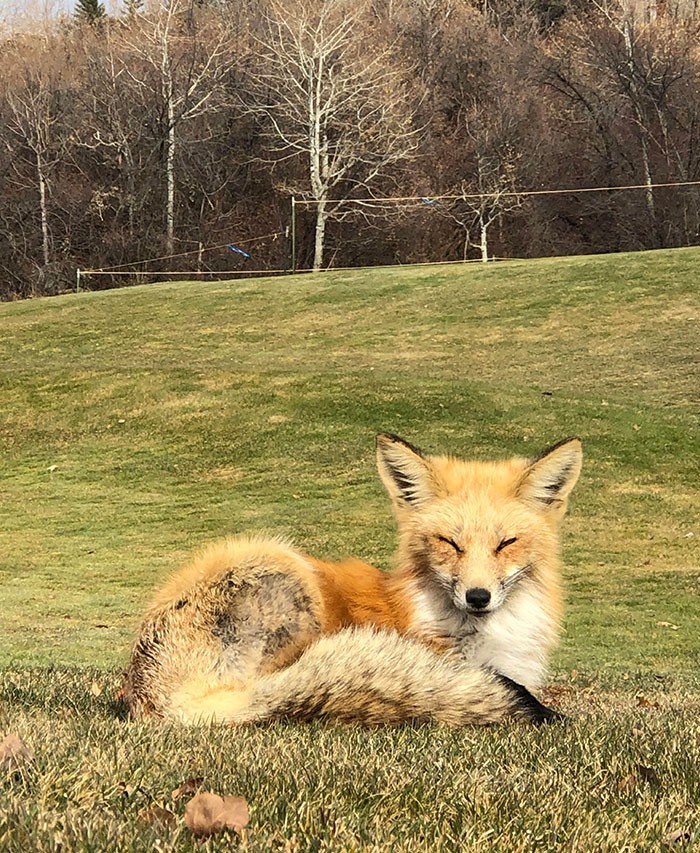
(294, 235)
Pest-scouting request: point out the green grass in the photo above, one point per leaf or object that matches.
(138, 424)
(623, 776)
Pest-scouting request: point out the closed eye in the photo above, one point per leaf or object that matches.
(504, 543)
(451, 543)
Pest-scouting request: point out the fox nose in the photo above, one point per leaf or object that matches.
(478, 597)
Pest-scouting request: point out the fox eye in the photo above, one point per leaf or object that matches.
(504, 543)
(451, 543)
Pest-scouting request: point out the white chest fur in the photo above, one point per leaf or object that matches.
(514, 640)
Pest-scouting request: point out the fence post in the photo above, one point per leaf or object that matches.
(77, 280)
(294, 236)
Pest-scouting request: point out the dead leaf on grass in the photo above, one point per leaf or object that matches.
(95, 689)
(157, 816)
(627, 784)
(678, 836)
(14, 753)
(643, 702)
(667, 625)
(650, 776)
(188, 787)
(209, 813)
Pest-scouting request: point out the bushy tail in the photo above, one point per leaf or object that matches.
(367, 676)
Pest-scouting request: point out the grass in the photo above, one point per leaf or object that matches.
(623, 776)
(137, 424)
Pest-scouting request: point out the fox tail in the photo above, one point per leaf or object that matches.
(368, 676)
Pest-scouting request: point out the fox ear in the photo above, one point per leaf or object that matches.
(404, 470)
(551, 475)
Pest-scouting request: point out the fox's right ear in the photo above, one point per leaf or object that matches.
(404, 470)
(551, 475)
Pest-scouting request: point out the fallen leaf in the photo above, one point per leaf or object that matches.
(643, 702)
(14, 753)
(125, 789)
(187, 788)
(627, 784)
(678, 836)
(95, 689)
(209, 813)
(649, 775)
(157, 816)
(667, 625)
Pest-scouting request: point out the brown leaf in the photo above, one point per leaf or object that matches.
(95, 689)
(158, 817)
(643, 702)
(187, 788)
(124, 789)
(649, 775)
(14, 753)
(678, 836)
(208, 813)
(627, 784)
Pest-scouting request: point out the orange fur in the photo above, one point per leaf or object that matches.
(477, 576)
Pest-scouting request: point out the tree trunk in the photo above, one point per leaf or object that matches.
(639, 116)
(43, 209)
(321, 216)
(166, 72)
(170, 179)
(484, 240)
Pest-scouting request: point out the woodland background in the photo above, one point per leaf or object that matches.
(174, 128)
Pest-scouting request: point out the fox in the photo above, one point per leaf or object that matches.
(459, 632)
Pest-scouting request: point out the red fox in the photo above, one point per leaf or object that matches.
(459, 632)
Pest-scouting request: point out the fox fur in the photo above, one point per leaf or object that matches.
(253, 629)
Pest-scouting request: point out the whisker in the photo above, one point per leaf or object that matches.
(517, 576)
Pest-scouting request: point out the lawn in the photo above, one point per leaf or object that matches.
(138, 424)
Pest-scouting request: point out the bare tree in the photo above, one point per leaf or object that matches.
(178, 59)
(631, 74)
(34, 104)
(328, 101)
(493, 134)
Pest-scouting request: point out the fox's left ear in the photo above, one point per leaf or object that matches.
(551, 475)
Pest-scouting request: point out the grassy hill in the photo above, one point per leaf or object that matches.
(137, 424)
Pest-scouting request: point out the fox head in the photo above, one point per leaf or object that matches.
(477, 530)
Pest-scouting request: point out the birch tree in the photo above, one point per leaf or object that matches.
(34, 106)
(178, 59)
(492, 190)
(331, 103)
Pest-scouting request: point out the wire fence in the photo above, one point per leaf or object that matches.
(137, 269)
